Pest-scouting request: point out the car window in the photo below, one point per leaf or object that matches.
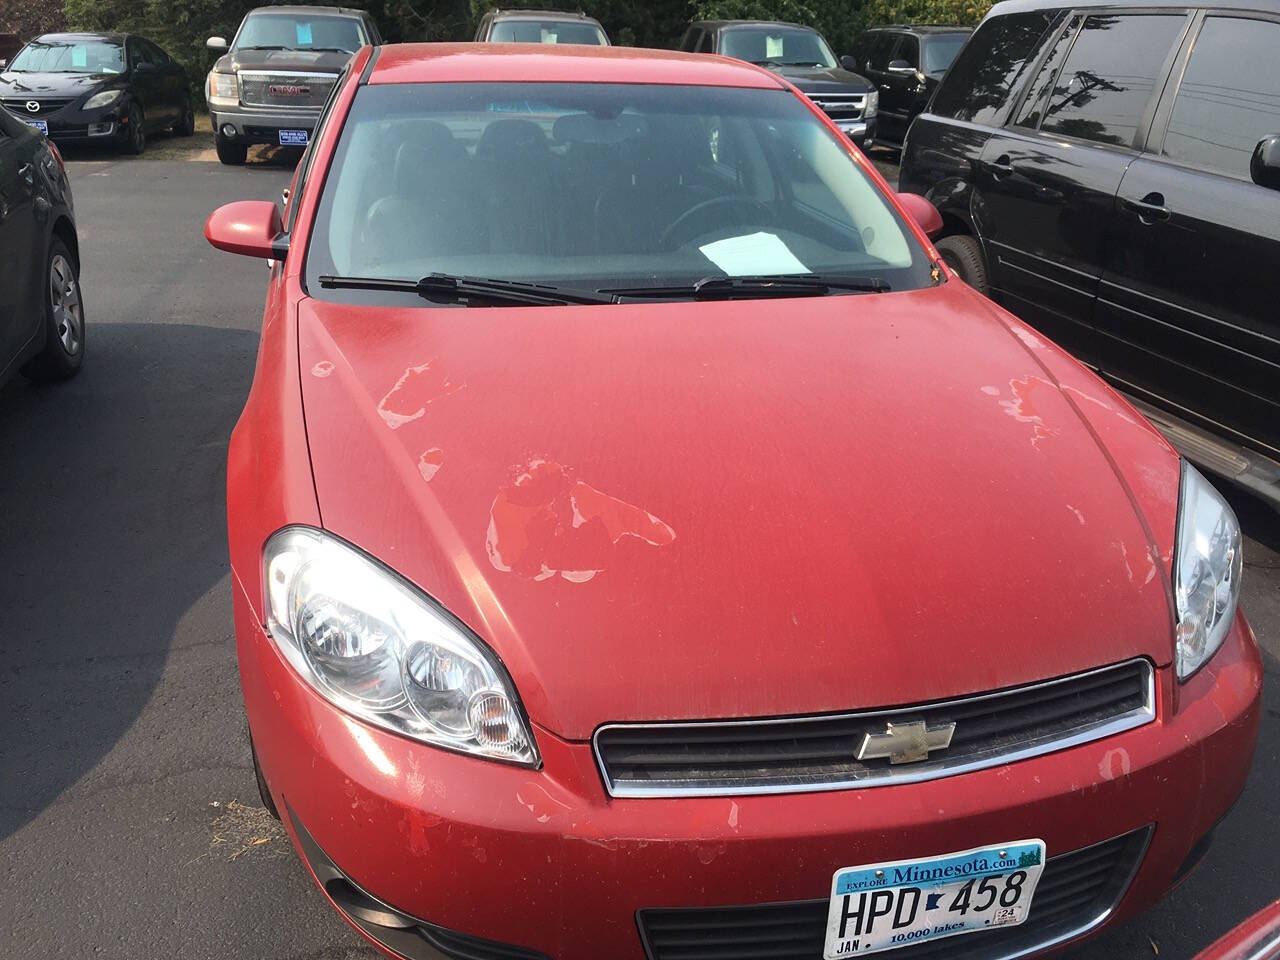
(941, 49)
(598, 185)
(987, 70)
(155, 54)
(308, 155)
(708, 43)
(689, 43)
(548, 31)
(1032, 110)
(1229, 98)
(908, 50)
(289, 31)
(48, 55)
(1109, 77)
(776, 45)
(878, 50)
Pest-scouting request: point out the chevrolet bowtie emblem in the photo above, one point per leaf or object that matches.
(906, 742)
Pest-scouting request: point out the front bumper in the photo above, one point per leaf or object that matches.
(261, 124)
(71, 124)
(861, 132)
(544, 859)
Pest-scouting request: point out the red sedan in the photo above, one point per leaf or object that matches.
(644, 546)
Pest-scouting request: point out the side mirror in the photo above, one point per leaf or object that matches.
(217, 43)
(3, 63)
(923, 212)
(248, 227)
(1264, 165)
(144, 66)
(900, 66)
(849, 62)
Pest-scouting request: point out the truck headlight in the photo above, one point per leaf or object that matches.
(224, 86)
(378, 648)
(1208, 561)
(103, 99)
(873, 105)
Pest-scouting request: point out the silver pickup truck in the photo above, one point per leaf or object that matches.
(275, 76)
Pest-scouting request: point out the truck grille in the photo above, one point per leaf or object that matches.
(306, 91)
(1077, 891)
(821, 752)
(842, 107)
(47, 105)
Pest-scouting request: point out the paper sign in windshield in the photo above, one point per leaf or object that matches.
(304, 35)
(752, 255)
(773, 48)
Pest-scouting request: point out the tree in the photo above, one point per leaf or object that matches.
(30, 18)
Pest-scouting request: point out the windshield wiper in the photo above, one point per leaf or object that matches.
(472, 291)
(779, 285)
(275, 46)
(326, 49)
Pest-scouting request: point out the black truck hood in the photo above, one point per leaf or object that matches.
(55, 84)
(316, 61)
(824, 79)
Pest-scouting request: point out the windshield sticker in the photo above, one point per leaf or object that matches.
(549, 36)
(752, 255)
(304, 34)
(773, 48)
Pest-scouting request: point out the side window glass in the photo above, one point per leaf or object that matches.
(158, 56)
(1110, 76)
(1229, 98)
(304, 165)
(878, 57)
(988, 68)
(1032, 109)
(707, 44)
(908, 50)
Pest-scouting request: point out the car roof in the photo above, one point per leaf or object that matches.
(542, 15)
(316, 10)
(555, 63)
(83, 35)
(922, 28)
(1021, 6)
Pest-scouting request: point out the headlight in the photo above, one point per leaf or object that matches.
(379, 649)
(224, 86)
(873, 105)
(103, 99)
(1207, 565)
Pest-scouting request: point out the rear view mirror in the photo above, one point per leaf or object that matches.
(923, 212)
(216, 43)
(1264, 165)
(849, 62)
(247, 227)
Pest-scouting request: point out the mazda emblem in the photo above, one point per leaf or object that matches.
(33, 106)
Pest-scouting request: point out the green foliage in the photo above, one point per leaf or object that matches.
(30, 18)
(966, 12)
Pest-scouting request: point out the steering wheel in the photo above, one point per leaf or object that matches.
(729, 208)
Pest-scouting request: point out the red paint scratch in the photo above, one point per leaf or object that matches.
(1023, 409)
(417, 389)
(546, 523)
(429, 462)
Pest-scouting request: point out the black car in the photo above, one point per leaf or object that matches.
(907, 64)
(802, 56)
(540, 26)
(41, 310)
(1111, 174)
(98, 87)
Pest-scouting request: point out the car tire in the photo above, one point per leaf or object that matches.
(63, 306)
(963, 254)
(186, 125)
(264, 792)
(135, 135)
(232, 154)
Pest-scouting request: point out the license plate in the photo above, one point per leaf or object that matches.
(883, 906)
(293, 138)
(40, 125)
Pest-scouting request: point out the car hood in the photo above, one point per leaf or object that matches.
(733, 509)
(53, 84)
(824, 80)
(319, 61)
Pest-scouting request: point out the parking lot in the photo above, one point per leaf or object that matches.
(130, 825)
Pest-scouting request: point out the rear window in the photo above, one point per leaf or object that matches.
(547, 31)
(988, 68)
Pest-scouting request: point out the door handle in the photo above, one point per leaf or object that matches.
(1002, 166)
(1150, 209)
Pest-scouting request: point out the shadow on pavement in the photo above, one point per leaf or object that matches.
(112, 525)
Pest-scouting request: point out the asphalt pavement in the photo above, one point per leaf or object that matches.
(130, 826)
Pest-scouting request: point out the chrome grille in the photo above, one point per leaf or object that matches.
(305, 91)
(821, 753)
(47, 105)
(842, 107)
(1076, 892)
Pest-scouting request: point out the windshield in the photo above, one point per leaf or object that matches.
(547, 31)
(289, 31)
(777, 46)
(598, 186)
(939, 51)
(70, 56)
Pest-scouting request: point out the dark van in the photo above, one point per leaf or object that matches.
(1112, 175)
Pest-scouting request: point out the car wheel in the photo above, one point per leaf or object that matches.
(63, 351)
(231, 153)
(135, 137)
(264, 792)
(186, 125)
(963, 254)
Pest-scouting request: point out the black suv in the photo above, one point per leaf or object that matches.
(540, 26)
(1111, 174)
(907, 64)
(802, 56)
